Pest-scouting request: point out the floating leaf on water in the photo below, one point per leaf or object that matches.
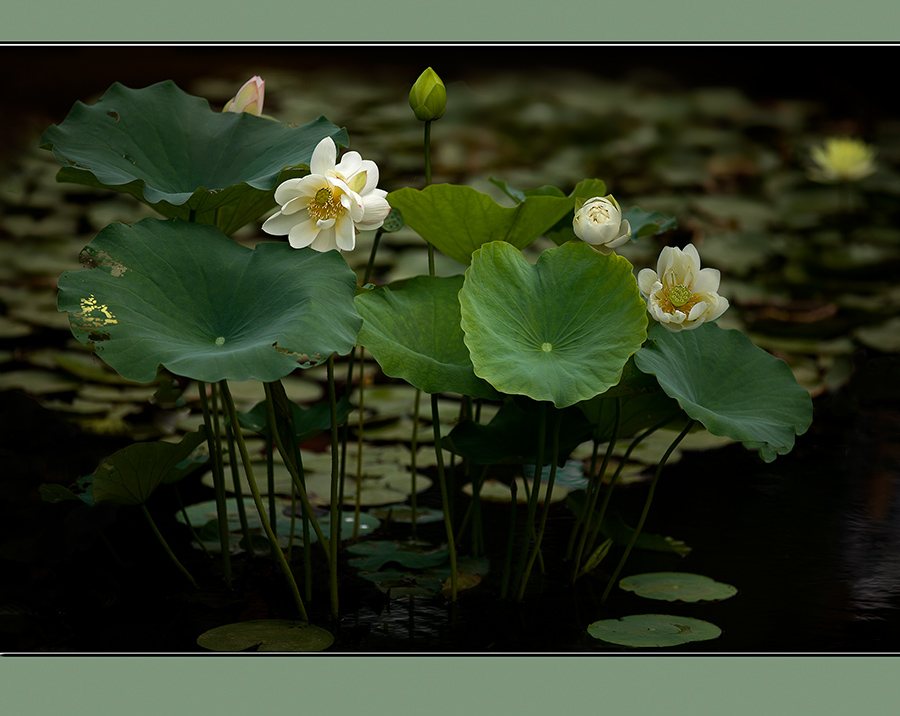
(677, 586)
(374, 554)
(404, 513)
(496, 491)
(266, 635)
(883, 336)
(37, 382)
(653, 630)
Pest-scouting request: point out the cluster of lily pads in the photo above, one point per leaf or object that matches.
(540, 357)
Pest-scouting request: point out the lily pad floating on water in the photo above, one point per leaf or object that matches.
(374, 554)
(653, 630)
(677, 586)
(170, 150)
(497, 491)
(187, 297)
(404, 513)
(266, 635)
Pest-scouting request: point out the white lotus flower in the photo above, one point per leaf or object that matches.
(325, 209)
(599, 223)
(842, 159)
(680, 294)
(250, 97)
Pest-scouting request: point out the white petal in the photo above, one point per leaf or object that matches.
(292, 188)
(294, 205)
(646, 280)
(371, 170)
(323, 224)
(323, 157)
(350, 163)
(376, 211)
(325, 241)
(302, 235)
(698, 310)
(280, 224)
(665, 263)
(707, 281)
(345, 234)
(718, 308)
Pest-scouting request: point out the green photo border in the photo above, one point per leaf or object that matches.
(437, 685)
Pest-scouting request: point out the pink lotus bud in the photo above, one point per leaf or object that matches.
(249, 97)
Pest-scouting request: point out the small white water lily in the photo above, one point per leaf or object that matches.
(599, 223)
(680, 294)
(325, 209)
(249, 98)
(842, 159)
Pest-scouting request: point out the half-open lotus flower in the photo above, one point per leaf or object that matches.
(680, 294)
(325, 209)
(842, 159)
(599, 223)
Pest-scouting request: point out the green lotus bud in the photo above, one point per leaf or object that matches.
(428, 96)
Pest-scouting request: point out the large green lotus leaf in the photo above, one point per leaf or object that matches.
(653, 630)
(171, 151)
(561, 330)
(187, 297)
(457, 220)
(737, 390)
(130, 475)
(414, 333)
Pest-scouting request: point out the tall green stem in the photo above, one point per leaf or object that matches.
(540, 535)
(445, 497)
(335, 480)
(260, 506)
(533, 496)
(215, 461)
(596, 482)
(166, 547)
(640, 524)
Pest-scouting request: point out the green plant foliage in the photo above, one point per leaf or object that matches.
(266, 635)
(561, 330)
(130, 475)
(457, 220)
(187, 297)
(170, 150)
(414, 333)
(307, 422)
(653, 630)
(647, 223)
(677, 586)
(730, 385)
(512, 435)
(615, 528)
(376, 553)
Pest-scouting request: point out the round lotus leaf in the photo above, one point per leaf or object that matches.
(187, 297)
(266, 635)
(404, 513)
(677, 586)
(735, 389)
(414, 333)
(653, 630)
(561, 330)
(171, 151)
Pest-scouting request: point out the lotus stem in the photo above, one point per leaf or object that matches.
(510, 540)
(640, 524)
(533, 497)
(214, 445)
(236, 482)
(166, 547)
(260, 506)
(445, 498)
(546, 509)
(414, 445)
(335, 491)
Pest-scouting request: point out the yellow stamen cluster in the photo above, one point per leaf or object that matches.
(325, 205)
(679, 298)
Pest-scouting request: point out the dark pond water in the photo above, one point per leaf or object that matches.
(811, 542)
